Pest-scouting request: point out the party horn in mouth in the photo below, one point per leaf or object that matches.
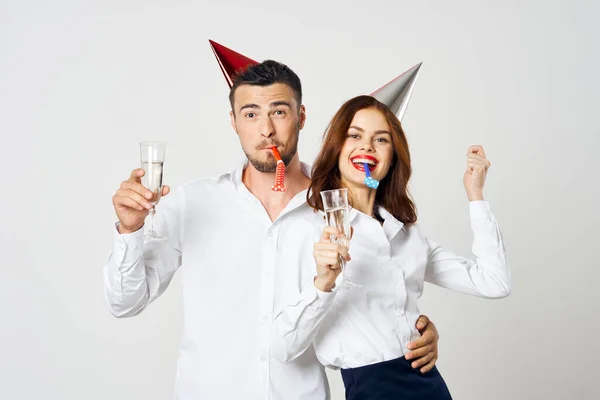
(370, 182)
(278, 186)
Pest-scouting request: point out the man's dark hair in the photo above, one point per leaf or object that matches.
(267, 73)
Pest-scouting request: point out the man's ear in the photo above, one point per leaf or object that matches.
(232, 117)
(302, 117)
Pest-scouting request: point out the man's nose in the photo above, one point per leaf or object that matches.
(267, 129)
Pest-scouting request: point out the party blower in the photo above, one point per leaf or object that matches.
(278, 186)
(370, 182)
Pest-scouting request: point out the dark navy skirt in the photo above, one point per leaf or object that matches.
(394, 379)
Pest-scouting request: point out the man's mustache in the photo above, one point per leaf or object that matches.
(267, 145)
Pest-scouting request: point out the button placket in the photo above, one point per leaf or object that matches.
(267, 289)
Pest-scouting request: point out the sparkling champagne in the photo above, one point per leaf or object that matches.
(152, 179)
(338, 217)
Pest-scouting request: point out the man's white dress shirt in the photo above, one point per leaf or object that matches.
(234, 263)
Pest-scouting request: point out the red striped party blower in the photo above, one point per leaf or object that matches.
(278, 186)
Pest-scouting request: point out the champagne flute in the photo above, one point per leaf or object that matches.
(335, 205)
(152, 155)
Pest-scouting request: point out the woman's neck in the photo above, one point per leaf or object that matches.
(363, 199)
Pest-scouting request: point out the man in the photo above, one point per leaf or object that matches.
(232, 236)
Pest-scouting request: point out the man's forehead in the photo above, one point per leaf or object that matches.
(264, 95)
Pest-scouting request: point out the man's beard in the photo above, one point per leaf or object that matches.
(270, 165)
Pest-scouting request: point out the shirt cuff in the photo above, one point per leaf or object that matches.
(317, 299)
(480, 209)
(128, 246)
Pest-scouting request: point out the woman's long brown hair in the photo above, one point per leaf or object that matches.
(393, 193)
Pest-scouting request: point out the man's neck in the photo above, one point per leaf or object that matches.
(260, 184)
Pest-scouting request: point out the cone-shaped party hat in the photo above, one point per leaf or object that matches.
(396, 93)
(231, 62)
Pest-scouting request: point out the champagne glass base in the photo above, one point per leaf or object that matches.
(153, 237)
(347, 285)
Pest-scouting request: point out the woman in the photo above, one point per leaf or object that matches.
(365, 331)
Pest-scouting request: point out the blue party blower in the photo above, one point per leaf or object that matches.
(370, 182)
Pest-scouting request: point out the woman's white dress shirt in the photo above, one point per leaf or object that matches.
(375, 322)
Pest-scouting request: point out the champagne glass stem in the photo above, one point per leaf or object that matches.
(344, 273)
(152, 212)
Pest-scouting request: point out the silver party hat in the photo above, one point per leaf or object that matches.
(396, 93)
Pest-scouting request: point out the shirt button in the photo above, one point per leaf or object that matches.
(263, 358)
(265, 318)
(271, 233)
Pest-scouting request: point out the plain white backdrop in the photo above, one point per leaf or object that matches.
(82, 82)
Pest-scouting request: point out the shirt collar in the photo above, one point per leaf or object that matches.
(235, 177)
(391, 226)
